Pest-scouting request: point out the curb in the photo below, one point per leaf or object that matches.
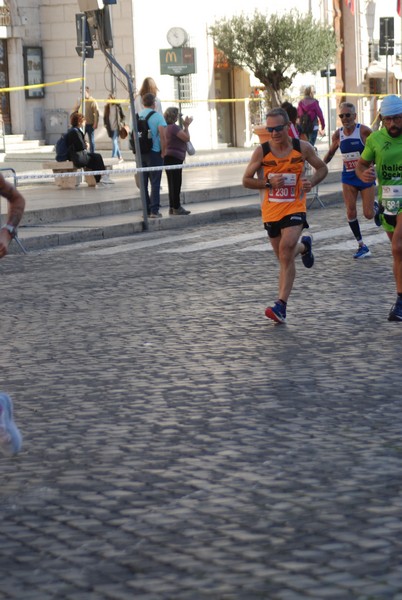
(40, 238)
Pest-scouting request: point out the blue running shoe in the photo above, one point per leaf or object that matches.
(362, 252)
(396, 312)
(10, 437)
(307, 256)
(277, 312)
(377, 213)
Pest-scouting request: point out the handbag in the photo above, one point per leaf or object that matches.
(79, 158)
(190, 149)
(123, 131)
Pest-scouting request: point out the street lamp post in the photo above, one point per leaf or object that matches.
(99, 18)
(138, 159)
(83, 60)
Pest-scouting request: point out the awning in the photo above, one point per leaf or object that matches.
(377, 70)
(397, 68)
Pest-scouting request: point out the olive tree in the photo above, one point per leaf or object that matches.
(275, 48)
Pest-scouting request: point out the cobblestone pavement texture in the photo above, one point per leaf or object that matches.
(178, 445)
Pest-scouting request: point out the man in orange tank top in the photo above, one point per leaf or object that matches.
(283, 206)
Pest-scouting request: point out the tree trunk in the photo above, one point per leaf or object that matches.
(274, 97)
(272, 84)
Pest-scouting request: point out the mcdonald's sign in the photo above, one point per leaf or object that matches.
(171, 56)
(177, 61)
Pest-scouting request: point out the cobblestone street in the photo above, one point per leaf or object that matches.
(178, 445)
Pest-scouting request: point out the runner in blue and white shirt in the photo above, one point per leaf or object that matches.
(351, 140)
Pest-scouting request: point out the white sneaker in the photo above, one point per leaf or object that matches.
(106, 179)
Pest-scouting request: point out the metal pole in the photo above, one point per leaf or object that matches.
(386, 55)
(328, 81)
(386, 71)
(179, 99)
(112, 85)
(112, 77)
(83, 66)
(135, 134)
(328, 107)
(83, 62)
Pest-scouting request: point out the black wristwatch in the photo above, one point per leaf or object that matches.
(268, 185)
(11, 230)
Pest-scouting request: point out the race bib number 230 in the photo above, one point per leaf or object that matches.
(286, 193)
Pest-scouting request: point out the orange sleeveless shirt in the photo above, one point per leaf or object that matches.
(290, 198)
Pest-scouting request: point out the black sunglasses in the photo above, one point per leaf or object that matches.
(278, 128)
(347, 115)
(396, 118)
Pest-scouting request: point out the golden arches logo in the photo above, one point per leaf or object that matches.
(171, 56)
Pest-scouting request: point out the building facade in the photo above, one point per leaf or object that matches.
(38, 40)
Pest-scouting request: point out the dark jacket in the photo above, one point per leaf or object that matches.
(79, 154)
(77, 148)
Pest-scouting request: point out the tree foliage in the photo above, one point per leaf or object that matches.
(275, 48)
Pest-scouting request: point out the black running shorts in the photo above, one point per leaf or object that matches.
(274, 227)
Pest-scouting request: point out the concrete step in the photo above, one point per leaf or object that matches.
(17, 143)
(17, 151)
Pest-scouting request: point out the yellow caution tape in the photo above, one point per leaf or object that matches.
(182, 100)
(38, 85)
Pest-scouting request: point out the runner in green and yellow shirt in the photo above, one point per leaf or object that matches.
(383, 153)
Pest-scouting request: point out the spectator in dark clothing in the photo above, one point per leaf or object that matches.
(292, 114)
(176, 148)
(78, 153)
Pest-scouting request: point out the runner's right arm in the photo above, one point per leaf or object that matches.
(249, 179)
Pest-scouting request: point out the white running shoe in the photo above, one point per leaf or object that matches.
(106, 179)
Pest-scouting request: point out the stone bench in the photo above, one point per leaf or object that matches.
(67, 166)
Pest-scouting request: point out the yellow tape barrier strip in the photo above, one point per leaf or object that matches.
(182, 101)
(38, 85)
(227, 100)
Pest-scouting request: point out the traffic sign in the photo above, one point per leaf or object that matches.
(328, 73)
(82, 30)
(386, 36)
